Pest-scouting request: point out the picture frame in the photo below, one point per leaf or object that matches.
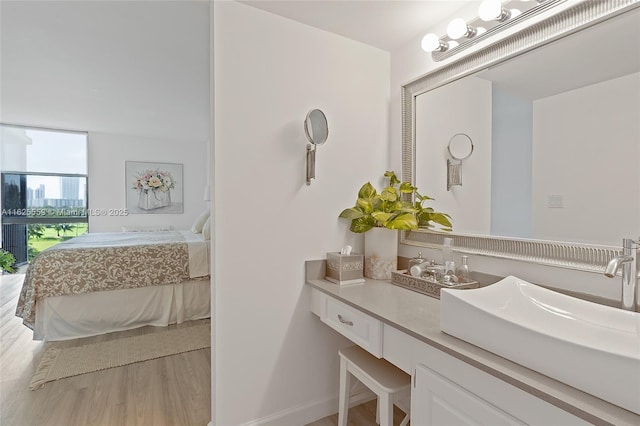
(154, 187)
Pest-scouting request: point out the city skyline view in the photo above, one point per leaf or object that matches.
(53, 187)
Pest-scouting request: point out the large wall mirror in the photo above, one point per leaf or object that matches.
(554, 115)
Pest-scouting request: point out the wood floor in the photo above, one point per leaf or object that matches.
(360, 415)
(173, 390)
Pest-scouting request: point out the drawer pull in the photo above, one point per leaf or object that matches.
(344, 321)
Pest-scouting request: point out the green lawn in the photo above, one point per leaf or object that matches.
(51, 238)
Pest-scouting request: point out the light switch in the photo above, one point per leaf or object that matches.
(555, 201)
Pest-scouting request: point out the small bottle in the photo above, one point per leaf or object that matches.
(449, 277)
(463, 270)
(450, 269)
(447, 251)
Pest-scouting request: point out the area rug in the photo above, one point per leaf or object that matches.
(59, 363)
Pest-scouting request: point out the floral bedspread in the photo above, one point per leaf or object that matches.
(103, 261)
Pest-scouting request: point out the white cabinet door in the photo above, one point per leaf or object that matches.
(436, 401)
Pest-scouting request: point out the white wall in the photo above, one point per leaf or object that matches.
(107, 156)
(511, 158)
(598, 125)
(274, 360)
(441, 114)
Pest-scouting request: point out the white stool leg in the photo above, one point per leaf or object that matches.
(345, 386)
(377, 410)
(405, 421)
(385, 404)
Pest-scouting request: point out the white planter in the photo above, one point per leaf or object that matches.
(380, 253)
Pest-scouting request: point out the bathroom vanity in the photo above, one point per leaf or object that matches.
(453, 382)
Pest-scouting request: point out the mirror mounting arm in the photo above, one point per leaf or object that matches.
(311, 163)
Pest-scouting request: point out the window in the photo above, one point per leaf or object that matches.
(44, 188)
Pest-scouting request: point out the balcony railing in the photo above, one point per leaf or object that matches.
(14, 240)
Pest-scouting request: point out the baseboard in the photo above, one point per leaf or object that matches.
(310, 412)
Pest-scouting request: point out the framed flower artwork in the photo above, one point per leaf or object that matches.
(154, 188)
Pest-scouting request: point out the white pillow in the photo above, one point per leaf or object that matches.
(199, 223)
(206, 229)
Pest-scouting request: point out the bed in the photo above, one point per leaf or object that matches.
(104, 282)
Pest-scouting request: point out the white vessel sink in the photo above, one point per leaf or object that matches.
(591, 347)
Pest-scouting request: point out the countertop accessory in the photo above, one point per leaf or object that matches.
(345, 268)
(463, 270)
(425, 285)
(416, 260)
(447, 251)
(419, 270)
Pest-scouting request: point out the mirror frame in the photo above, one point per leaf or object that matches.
(582, 257)
(470, 150)
(307, 123)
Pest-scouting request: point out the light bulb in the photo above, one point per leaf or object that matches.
(458, 28)
(431, 42)
(492, 10)
(489, 10)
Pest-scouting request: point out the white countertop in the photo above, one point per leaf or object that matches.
(419, 316)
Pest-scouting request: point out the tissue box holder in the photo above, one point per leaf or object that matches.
(345, 268)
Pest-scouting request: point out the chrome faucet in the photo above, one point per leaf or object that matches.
(628, 261)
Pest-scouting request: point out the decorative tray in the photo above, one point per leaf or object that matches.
(424, 286)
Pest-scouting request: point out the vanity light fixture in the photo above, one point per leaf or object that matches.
(493, 17)
(431, 43)
(492, 10)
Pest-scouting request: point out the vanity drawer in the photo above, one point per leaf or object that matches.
(397, 347)
(357, 326)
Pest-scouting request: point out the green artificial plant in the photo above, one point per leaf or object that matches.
(7, 261)
(388, 209)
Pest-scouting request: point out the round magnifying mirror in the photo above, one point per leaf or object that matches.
(315, 127)
(460, 146)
